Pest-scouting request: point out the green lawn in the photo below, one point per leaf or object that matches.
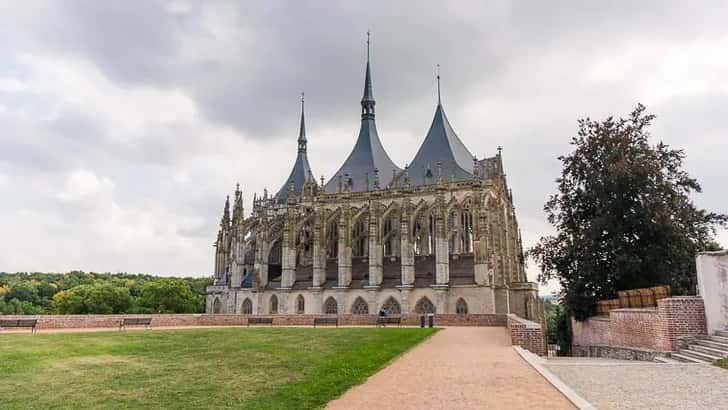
(267, 368)
(722, 363)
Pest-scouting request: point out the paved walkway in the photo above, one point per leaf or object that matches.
(458, 368)
(614, 384)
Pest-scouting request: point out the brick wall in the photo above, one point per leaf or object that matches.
(529, 335)
(161, 320)
(653, 329)
(679, 317)
(633, 328)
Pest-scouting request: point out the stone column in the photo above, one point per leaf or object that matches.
(261, 262)
(442, 253)
(375, 247)
(480, 243)
(407, 251)
(441, 300)
(288, 250)
(459, 233)
(344, 249)
(372, 301)
(316, 302)
(405, 304)
(319, 252)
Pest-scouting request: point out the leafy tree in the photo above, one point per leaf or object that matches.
(623, 216)
(18, 307)
(168, 296)
(79, 292)
(24, 292)
(102, 299)
(67, 302)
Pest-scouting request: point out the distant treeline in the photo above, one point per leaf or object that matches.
(80, 292)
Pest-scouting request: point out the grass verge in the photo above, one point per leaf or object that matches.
(261, 368)
(722, 363)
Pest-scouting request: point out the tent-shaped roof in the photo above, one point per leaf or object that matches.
(441, 145)
(301, 171)
(368, 154)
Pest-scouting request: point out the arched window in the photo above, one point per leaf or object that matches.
(332, 240)
(274, 304)
(423, 234)
(391, 306)
(359, 238)
(304, 245)
(424, 306)
(390, 236)
(360, 307)
(216, 306)
(461, 307)
(453, 230)
(300, 304)
(466, 229)
(274, 257)
(247, 307)
(330, 306)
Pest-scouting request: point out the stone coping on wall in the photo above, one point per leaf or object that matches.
(203, 319)
(632, 310)
(526, 334)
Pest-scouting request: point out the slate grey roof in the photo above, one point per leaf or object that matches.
(301, 171)
(441, 145)
(368, 153)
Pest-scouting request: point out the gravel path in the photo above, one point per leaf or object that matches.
(458, 368)
(644, 385)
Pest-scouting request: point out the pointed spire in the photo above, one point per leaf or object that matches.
(225, 222)
(301, 173)
(439, 102)
(368, 152)
(302, 131)
(367, 101)
(406, 176)
(238, 206)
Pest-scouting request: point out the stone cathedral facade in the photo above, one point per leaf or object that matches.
(437, 236)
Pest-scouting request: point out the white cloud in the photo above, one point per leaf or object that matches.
(82, 184)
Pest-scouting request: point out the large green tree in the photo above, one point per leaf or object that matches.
(101, 298)
(169, 296)
(623, 215)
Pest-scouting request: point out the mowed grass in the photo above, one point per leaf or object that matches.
(256, 368)
(722, 363)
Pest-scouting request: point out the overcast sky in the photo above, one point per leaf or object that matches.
(123, 125)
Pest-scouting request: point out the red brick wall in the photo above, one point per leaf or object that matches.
(529, 335)
(653, 329)
(633, 328)
(680, 316)
(161, 320)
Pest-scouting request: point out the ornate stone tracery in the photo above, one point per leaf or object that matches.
(440, 231)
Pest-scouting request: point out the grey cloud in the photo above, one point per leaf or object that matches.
(513, 74)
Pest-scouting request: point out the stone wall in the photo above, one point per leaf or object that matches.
(162, 320)
(655, 330)
(621, 353)
(713, 287)
(529, 335)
